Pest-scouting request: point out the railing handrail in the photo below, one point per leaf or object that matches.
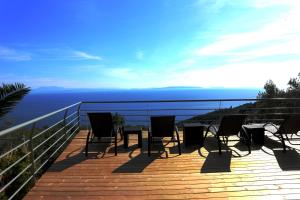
(14, 128)
(187, 100)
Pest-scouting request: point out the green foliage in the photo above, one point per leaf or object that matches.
(271, 91)
(13, 172)
(118, 119)
(10, 94)
(294, 87)
(294, 83)
(263, 109)
(19, 137)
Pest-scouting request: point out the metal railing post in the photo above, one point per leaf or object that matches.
(78, 114)
(65, 122)
(32, 152)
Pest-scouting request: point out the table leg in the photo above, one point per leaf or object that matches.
(140, 140)
(125, 140)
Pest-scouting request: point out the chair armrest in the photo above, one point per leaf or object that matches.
(176, 129)
(212, 128)
(149, 131)
(270, 124)
(244, 133)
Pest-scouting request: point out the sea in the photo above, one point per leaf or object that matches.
(38, 103)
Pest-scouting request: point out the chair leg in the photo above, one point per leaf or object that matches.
(283, 143)
(116, 144)
(149, 144)
(219, 144)
(205, 135)
(178, 140)
(249, 146)
(173, 137)
(87, 144)
(121, 134)
(247, 139)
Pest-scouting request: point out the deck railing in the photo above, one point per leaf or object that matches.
(40, 146)
(37, 145)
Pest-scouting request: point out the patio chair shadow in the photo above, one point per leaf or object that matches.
(216, 162)
(270, 143)
(211, 144)
(71, 160)
(131, 147)
(184, 149)
(158, 146)
(242, 147)
(137, 164)
(288, 161)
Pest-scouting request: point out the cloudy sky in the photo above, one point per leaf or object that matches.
(157, 43)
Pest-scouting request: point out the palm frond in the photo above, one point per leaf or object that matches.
(10, 94)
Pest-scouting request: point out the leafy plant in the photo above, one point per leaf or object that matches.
(10, 94)
(118, 119)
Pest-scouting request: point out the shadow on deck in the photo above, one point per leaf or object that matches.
(199, 173)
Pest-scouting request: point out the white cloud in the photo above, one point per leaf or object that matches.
(281, 37)
(84, 55)
(122, 73)
(35, 82)
(237, 75)
(13, 55)
(139, 55)
(268, 3)
(58, 53)
(217, 5)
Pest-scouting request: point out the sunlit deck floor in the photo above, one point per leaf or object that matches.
(203, 174)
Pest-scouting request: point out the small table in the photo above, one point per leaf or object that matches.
(256, 133)
(193, 133)
(132, 130)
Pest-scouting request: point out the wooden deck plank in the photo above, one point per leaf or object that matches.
(204, 174)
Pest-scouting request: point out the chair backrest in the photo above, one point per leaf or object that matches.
(102, 124)
(162, 126)
(231, 125)
(290, 125)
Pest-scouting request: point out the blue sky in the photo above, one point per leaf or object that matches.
(142, 44)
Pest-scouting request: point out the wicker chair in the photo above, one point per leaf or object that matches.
(289, 127)
(101, 126)
(162, 126)
(230, 125)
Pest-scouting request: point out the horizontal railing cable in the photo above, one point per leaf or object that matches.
(9, 130)
(54, 134)
(12, 165)
(14, 149)
(55, 151)
(15, 178)
(47, 129)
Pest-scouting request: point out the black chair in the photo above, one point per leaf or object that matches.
(162, 126)
(101, 126)
(289, 127)
(230, 125)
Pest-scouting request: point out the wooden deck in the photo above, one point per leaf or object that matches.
(203, 174)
